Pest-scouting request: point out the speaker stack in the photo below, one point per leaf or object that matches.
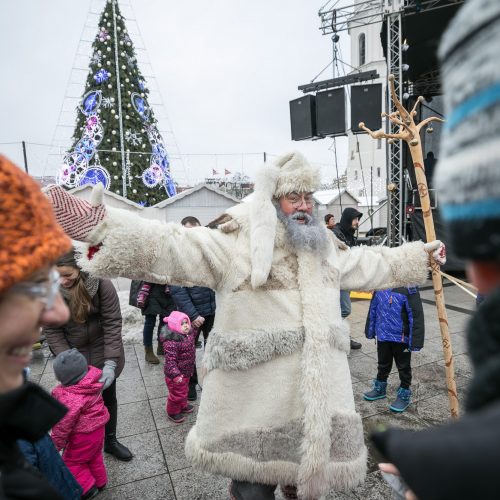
(324, 114)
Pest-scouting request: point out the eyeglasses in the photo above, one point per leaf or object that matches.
(296, 200)
(45, 291)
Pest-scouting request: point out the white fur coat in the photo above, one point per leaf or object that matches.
(277, 403)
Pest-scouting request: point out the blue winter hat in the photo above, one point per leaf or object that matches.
(468, 174)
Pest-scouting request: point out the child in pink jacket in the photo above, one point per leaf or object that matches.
(81, 432)
(180, 356)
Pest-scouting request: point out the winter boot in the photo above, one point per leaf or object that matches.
(91, 493)
(150, 355)
(177, 419)
(378, 391)
(118, 450)
(159, 349)
(188, 409)
(402, 400)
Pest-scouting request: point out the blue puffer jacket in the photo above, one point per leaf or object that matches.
(194, 301)
(397, 315)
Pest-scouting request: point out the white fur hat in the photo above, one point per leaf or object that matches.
(289, 173)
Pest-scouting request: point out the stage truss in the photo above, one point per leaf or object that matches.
(337, 16)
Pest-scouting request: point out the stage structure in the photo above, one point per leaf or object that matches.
(410, 53)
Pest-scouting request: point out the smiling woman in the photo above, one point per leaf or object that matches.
(30, 243)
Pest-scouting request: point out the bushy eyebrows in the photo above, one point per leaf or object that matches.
(294, 193)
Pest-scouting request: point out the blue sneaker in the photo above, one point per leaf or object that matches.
(402, 400)
(378, 391)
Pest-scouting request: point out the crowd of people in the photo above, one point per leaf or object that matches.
(277, 407)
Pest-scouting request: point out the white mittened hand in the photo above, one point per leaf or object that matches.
(437, 250)
(108, 373)
(77, 217)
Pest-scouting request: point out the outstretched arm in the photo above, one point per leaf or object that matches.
(377, 268)
(120, 243)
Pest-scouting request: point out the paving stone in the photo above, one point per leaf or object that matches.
(155, 386)
(48, 381)
(172, 440)
(190, 484)
(148, 460)
(130, 390)
(134, 418)
(153, 488)
(160, 416)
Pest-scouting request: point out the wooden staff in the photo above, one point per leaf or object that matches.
(409, 132)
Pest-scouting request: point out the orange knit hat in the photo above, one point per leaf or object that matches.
(30, 237)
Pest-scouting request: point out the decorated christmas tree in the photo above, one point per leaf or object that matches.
(116, 140)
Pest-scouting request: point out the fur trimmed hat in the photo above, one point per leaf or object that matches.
(30, 237)
(468, 173)
(289, 173)
(175, 319)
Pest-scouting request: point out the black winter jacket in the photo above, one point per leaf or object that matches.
(194, 301)
(160, 301)
(344, 230)
(25, 413)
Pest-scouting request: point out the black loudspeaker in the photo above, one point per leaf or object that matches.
(303, 118)
(366, 106)
(330, 112)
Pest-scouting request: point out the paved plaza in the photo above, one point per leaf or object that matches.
(160, 470)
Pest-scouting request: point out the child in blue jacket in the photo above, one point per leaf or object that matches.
(396, 320)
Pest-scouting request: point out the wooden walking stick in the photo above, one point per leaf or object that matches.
(409, 132)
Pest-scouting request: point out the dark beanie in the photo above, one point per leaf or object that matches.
(70, 367)
(468, 173)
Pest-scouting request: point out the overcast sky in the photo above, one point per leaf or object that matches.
(226, 70)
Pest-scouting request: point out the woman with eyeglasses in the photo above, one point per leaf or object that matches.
(95, 329)
(30, 243)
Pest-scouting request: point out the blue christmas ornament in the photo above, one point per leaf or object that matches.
(96, 175)
(141, 84)
(101, 76)
(149, 178)
(142, 203)
(140, 105)
(85, 147)
(169, 185)
(91, 102)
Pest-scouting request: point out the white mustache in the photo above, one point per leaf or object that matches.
(301, 216)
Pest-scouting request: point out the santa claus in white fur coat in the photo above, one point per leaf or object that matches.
(277, 405)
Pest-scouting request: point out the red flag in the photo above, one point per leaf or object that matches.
(226, 171)
(214, 172)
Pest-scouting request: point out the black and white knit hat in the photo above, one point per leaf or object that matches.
(468, 174)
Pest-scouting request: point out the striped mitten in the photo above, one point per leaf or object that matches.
(77, 217)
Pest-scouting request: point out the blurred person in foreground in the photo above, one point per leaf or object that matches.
(460, 460)
(277, 404)
(30, 243)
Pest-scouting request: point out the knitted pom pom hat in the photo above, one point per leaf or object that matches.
(30, 237)
(174, 321)
(289, 173)
(468, 173)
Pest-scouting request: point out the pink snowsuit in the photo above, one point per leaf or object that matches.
(180, 358)
(81, 432)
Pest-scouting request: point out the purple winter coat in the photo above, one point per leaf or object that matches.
(180, 353)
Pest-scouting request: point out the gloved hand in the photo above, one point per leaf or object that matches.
(178, 379)
(77, 217)
(437, 250)
(108, 373)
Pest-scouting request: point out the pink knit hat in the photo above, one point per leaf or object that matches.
(174, 321)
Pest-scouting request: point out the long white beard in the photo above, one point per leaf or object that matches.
(310, 236)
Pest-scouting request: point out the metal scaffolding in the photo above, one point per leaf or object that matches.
(335, 17)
